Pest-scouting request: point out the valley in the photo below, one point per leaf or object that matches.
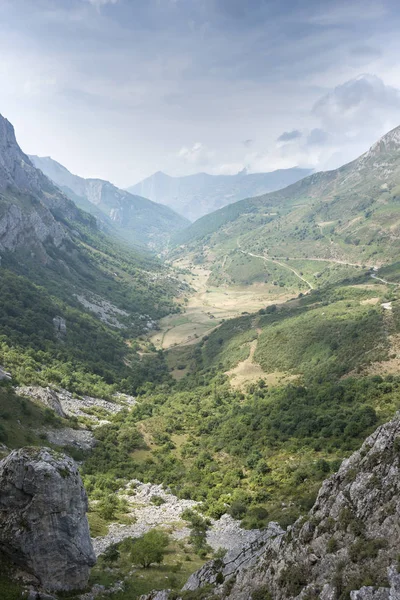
(208, 305)
(205, 393)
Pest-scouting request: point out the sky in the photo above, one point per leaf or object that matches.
(119, 89)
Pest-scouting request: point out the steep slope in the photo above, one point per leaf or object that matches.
(71, 297)
(138, 220)
(347, 546)
(43, 522)
(199, 194)
(31, 207)
(350, 214)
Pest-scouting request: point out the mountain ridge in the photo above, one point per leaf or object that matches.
(347, 213)
(201, 193)
(136, 219)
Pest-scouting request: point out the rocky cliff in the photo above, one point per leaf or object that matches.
(32, 209)
(43, 524)
(347, 547)
(135, 218)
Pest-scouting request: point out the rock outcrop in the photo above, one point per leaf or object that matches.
(32, 208)
(43, 524)
(60, 327)
(64, 403)
(46, 396)
(348, 546)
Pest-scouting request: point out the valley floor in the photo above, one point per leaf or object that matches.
(209, 305)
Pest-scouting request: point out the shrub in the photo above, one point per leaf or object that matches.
(261, 593)
(150, 548)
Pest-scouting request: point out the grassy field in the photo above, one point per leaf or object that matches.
(179, 563)
(210, 304)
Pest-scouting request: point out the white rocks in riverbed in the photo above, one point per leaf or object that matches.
(225, 533)
(103, 309)
(146, 514)
(77, 438)
(65, 403)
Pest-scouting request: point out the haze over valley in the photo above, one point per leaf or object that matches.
(199, 371)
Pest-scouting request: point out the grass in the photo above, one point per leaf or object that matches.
(20, 419)
(97, 525)
(210, 304)
(10, 589)
(179, 563)
(323, 340)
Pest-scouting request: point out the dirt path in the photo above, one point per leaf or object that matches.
(330, 260)
(311, 287)
(246, 371)
(384, 280)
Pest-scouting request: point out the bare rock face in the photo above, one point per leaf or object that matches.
(30, 204)
(46, 396)
(43, 524)
(347, 546)
(60, 327)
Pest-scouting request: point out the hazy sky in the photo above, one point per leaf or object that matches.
(119, 89)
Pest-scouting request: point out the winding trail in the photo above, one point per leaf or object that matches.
(273, 260)
(329, 260)
(384, 280)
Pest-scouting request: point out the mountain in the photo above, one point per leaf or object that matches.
(70, 296)
(31, 206)
(346, 547)
(137, 220)
(351, 214)
(199, 194)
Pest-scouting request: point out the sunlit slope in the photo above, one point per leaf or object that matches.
(350, 214)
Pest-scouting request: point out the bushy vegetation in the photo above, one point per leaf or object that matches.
(20, 419)
(245, 454)
(92, 358)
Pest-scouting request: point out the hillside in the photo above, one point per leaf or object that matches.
(234, 427)
(351, 214)
(137, 220)
(200, 194)
(346, 547)
(71, 297)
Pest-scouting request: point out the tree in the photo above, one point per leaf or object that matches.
(150, 548)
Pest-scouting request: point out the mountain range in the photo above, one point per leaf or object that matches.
(135, 219)
(196, 195)
(47, 239)
(350, 214)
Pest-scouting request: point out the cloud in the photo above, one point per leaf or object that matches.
(248, 143)
(289, 136)
(198, 154)
(100, 3)
(317, 137)
(366, 51)
(357, 102)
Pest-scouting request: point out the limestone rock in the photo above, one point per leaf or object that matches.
(35, 221)
(60, 327)
(4, 374)
(350, 536)
(162, 595)
(45, 396)
(82, 439)
(43, 524)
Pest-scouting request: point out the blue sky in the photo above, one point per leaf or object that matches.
(119, 89)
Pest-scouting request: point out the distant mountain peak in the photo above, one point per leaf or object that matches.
(135, 218)
(201, 193)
